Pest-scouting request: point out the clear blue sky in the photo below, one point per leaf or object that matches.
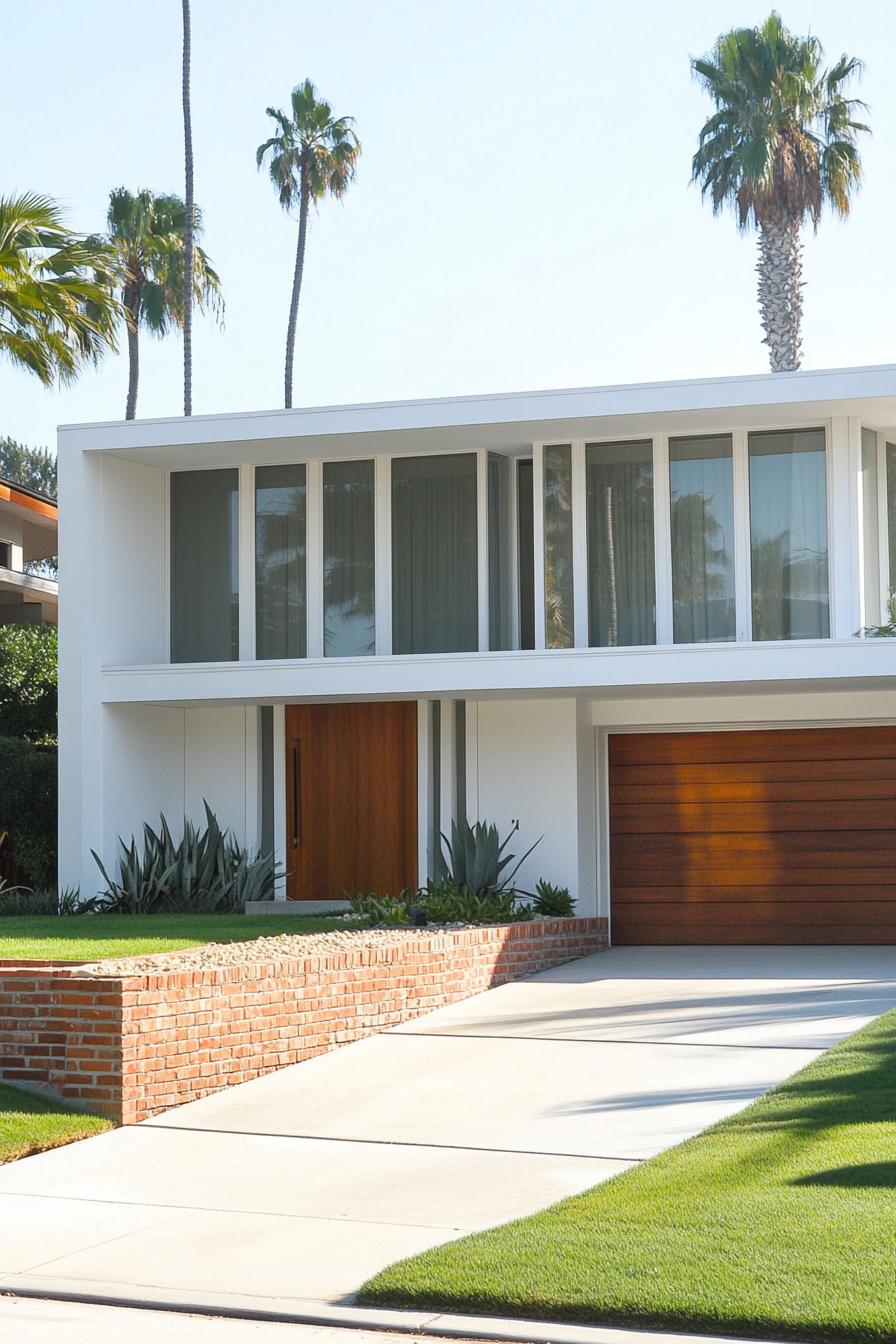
(522, 216)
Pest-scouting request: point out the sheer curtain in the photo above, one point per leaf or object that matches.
(559, 615)
(498, 551)
(891, 511)
(701, 479)
(434, 554)
(204, 566)
(789, 535)
(348, 527)
(621, 575)
(280, 562)
(525, 527)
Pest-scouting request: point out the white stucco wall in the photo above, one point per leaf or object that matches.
(533, 761)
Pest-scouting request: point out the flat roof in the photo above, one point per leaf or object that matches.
(508, 420)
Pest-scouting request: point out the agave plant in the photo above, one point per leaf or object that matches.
(475, 857)
(205, 872)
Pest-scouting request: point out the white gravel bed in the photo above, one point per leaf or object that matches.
(279, 947)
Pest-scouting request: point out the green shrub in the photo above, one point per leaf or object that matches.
(552, 902)
(449, 902)
(24, 901)
(28, 678)
(28, 808)
(205, 872)
(372, 910)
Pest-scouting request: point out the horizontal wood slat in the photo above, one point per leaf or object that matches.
(759, 836)
(772, 744)
(765, 922)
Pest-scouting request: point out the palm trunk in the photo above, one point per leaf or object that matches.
(133, 371)
(296, 291)
(188, 222)
(780, 291)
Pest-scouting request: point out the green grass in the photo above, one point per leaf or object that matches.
(92, 937)
(29, 1123)
(779, 1222)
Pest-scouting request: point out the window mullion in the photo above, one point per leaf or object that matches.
(662, 534)
(742, 582)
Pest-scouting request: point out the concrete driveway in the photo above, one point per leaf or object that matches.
(293, 1189)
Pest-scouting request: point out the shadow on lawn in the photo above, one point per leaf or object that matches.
(862, 1176)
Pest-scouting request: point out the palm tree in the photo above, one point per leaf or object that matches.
(147, 234)
(779, 147)
(189, 216)
(57, 313)
(313, 155)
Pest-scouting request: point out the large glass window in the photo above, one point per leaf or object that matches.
(891, 516)
(559, 620)
(525, 530)
(434, 556)
(204, 566)
(349, 620)
(789, 534)
(498, 551)
(701, 480)
(280, 562)
(870, 530)
(621, 575)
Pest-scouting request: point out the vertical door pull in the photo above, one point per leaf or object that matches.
(296, 794)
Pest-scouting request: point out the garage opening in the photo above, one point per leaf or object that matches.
(778, 836)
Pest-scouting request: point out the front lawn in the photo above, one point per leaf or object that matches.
(780, 1222)
(92, 937)
(29, 1123)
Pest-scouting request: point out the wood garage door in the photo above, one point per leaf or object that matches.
(779, 836)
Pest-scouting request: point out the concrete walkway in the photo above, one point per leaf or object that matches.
(284, 1194)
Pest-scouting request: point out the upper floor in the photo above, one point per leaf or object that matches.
(29, 593)
(701, 518)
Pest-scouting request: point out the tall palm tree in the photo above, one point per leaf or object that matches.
(780, 146)
(312, 155)
(146, 233)
(189, 215)
(57, 312)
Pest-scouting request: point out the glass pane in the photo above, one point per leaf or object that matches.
(349, 620)
(870, 529)
(701, 479)
(434, 560)
(498, 552)
(789, 535)
(559, 628)
(526, 558)
(280, 562)
(891, 513)
(621, 578)
(204, 566)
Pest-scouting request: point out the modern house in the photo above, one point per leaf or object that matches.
(626, 618)
(29, 593)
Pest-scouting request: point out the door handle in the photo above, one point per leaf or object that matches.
(296, 794)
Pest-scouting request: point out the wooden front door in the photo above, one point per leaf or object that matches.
(763, 836)
(351, 799)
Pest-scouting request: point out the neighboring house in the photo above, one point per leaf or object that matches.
(29, 595)
(624, 617)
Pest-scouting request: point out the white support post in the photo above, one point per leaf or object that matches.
(279, 799)
(314, 551)
(246, 564)
(447, 764)
(538, 541)
(579, 547)
(743, 594)
(662, 509)
(382, 569)
(252, 809)
(424, 791)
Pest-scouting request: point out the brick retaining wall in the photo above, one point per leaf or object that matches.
(133, 1045)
